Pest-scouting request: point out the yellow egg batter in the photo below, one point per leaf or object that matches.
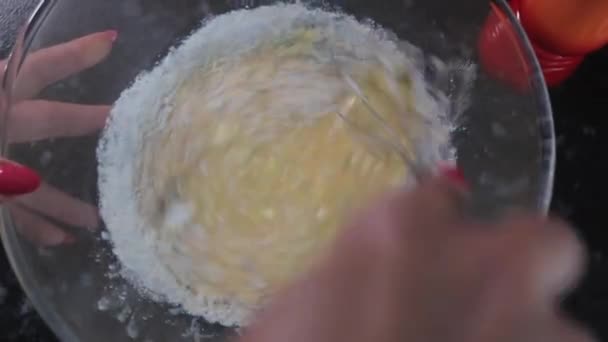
(263, 169)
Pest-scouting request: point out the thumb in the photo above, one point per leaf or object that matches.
(16, 179)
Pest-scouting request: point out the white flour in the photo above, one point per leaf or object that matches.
(143, 109)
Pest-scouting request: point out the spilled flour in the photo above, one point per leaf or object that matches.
(226, 170)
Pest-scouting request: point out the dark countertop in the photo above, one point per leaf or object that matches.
(581, 184)
(580, 191)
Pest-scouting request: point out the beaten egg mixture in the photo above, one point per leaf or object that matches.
(261, 158)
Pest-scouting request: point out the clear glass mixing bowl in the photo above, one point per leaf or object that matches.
(505, 144)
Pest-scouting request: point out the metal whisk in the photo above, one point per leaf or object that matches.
(392, 139)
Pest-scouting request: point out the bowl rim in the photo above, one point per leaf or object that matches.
(546, 122)
(19, 52)
(14, 62)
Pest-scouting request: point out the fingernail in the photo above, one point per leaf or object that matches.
(454, 174)
(112, 35)
(16, 179)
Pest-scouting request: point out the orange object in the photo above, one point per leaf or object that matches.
(566, 27)
(562, 32)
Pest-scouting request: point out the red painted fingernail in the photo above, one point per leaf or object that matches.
(16, 179)
(113, 35)
(454, 174)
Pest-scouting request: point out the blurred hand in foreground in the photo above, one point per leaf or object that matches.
(413, 268)
(31, 120)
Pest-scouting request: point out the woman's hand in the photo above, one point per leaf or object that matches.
(32, 120)
(413, 268)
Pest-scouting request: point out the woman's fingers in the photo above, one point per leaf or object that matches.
(432, 203)
(61, 207)
(543, 257)
(529, 264)
(16, 179)
(26, 211)
(36, 229)
(52, 64)
(39, 119)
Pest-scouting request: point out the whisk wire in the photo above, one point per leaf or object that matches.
(394, 140)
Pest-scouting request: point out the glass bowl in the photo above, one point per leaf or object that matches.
(504, 142)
